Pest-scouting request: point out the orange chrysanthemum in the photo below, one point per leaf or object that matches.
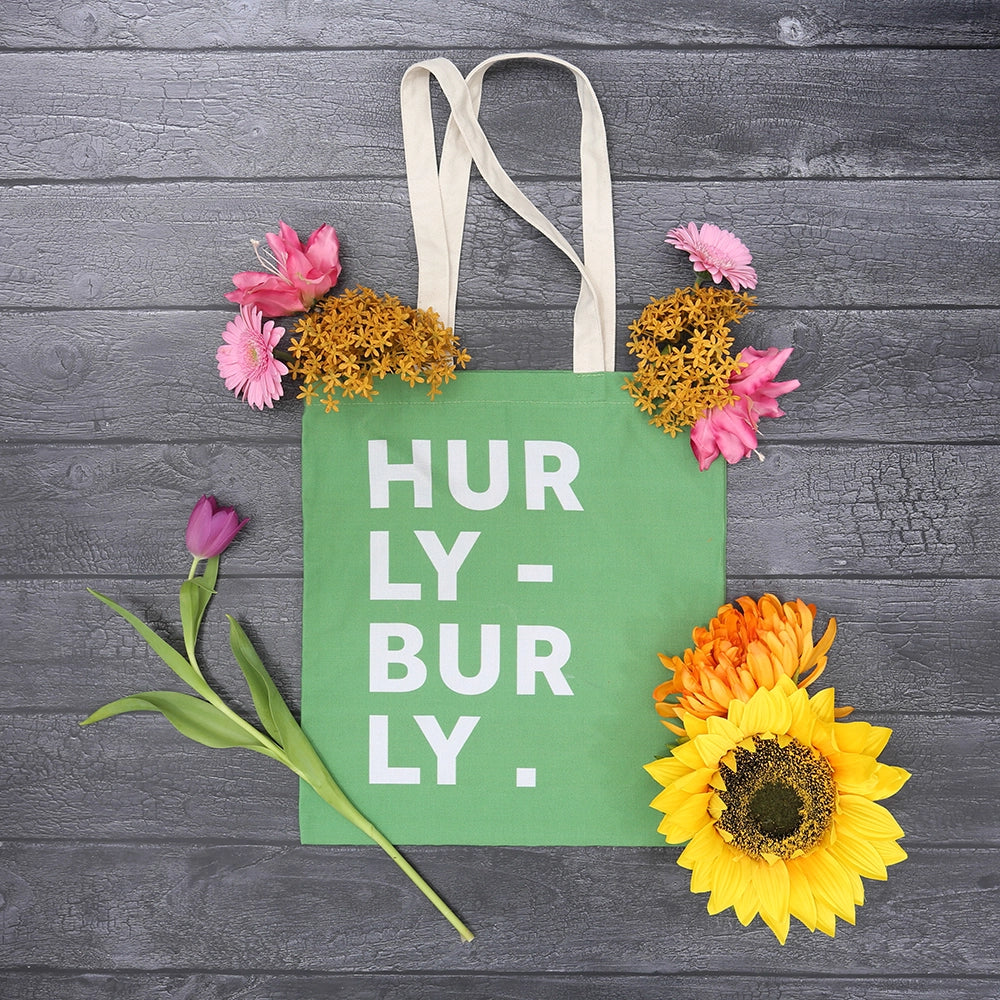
(743, 649)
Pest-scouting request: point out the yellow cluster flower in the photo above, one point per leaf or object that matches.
(346, 342)
(683, 345)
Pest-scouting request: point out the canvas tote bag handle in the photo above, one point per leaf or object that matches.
(439, 192)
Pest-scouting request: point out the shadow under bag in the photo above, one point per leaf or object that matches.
(489, 575)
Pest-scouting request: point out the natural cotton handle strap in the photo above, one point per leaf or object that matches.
(438, 196)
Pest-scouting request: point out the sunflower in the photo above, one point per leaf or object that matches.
(777, 805)
(743, 649)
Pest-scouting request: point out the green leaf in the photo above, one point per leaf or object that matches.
(210, 575)
(194, 598)
(170, 656)
(192, 717)
(275, 715)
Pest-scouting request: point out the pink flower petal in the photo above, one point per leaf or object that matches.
(246, 360)
(301, 274)
(211, 528)
(731, 430)
(716, 251)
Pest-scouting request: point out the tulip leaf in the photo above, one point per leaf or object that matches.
(194, 598)
(275, 715)
(170, 656)
(190, 716)
(211, 573)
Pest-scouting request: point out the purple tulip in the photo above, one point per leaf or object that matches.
(211, 528)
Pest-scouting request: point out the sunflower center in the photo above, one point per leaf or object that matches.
(776, 809)
(779, 799)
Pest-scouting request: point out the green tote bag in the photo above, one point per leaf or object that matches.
(489, 575)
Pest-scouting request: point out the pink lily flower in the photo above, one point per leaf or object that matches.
(731, 430)
(296, 275)
(211, 528)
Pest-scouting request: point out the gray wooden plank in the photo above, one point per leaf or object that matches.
(135, 778)
(516, 23)
(848, 510)
(899, 510)
(481, 986)
(816, 243)
(923, 645)
(690, 113)
(890, 375)
(230, 908)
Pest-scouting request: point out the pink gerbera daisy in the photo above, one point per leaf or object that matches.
(246, 359)
(717, 251)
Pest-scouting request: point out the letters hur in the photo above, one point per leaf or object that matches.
(538, 479)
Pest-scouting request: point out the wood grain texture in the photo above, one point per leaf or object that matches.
(507, 26)
(473, 986)
(775, 113)
(226, 908)
(99, 375)
(95, 783)
(833, 243)
(143, 145)
(858, 509)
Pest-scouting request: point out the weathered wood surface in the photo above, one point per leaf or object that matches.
(225, 796)
(853, 145)
(884, 510)
(139, 905)
(913, 645)
(468, 986)
(515, 23)
(96, 375)
(827, 114)
(835, 243)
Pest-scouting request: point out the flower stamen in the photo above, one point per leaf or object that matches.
(267, 260)
(779, 799)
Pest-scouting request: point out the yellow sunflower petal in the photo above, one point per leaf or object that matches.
(688, 754)
(854, 772)
(767, 711)
(823, 704)
(890, 852)
(772, 885)
(719, 725)
(831, 883)
(888, 781)
(728, 881)
(867, 819)
(860, 737)
(859, 856)
(710, 748)
(666, 770)
(801, 902)
(826, 920)
(681, 822)
(704, 853)
(746, 907)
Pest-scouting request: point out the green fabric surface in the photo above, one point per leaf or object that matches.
(545, 738)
